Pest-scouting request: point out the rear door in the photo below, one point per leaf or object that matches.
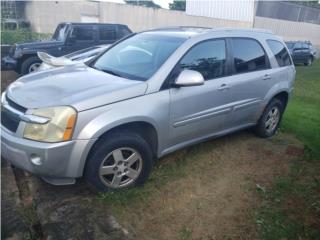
(107, 34)
(251, 79)
(197, 111)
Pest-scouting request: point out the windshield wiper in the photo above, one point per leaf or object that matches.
(110, 72)
(107, 71)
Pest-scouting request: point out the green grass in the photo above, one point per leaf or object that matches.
(290, 209)
(302, 116)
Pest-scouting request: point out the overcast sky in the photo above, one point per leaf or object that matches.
(162, 3)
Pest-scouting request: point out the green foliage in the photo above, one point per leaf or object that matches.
(143, 3)
(21, 35)
(179, 5)
(302, 116)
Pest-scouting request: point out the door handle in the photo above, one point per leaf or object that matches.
(266, 77)
(223, 87)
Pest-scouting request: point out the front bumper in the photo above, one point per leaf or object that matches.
(9, 63)
(60, 164)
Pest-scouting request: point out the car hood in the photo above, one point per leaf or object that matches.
(76, 85)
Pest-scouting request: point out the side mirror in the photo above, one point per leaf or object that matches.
(189, 78)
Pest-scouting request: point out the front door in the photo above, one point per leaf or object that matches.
(198, 111)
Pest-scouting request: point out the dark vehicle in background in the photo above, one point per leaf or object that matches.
(67, 38)
(302, 52)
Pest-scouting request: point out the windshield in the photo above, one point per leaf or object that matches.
(290, 45)
(60, 33)
(138, 57)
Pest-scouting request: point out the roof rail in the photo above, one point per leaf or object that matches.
(261, 30)
(181, 28)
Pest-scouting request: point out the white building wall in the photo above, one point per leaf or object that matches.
(236, 10)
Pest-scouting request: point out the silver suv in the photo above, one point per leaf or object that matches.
(146, 96)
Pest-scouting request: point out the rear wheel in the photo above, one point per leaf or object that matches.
(309, 62)
(270, 119)
(30, 65)
(121, 160)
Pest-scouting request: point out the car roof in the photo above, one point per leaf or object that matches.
(85, 24)
(190, 31)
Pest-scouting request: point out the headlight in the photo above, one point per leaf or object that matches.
(58, 129)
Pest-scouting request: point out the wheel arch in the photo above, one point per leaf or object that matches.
(146, 129)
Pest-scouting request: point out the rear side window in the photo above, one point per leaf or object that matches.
(280, 52)
(208, 58)
(83, 33)
(248, 55)
(107, 34)
(123, 31)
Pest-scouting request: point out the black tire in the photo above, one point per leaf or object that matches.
(309, 62)
(113, 141)
(26, 64)
(261, 128)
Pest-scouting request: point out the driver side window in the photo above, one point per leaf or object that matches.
(208, 58)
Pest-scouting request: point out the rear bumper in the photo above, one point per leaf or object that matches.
(59, 163)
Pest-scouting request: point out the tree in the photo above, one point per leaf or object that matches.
(179, 5)
(143, 3)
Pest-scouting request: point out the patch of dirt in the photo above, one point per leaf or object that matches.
(216, 198)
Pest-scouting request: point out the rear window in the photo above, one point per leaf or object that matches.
(248, 55)
(280, 52)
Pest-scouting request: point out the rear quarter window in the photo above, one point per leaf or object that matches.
(280, 53)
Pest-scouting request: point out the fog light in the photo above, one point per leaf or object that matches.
(35, 159)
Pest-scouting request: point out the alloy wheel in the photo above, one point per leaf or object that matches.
(121, 167)
(272, 120)
(34, 67)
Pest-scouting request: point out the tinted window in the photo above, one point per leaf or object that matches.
(290, 45)
(298, 46)
(107, 34)
(208, 58)
(82, 33)
(248, 55)
(123, 31)
(305, 46)
(280, 53)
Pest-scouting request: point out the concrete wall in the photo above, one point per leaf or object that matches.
(290, 30)
(45, 15)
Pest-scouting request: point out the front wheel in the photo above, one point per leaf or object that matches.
(121, 160)
(30, 65)
(270, 119)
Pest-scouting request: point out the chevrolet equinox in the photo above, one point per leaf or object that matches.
(147, 95)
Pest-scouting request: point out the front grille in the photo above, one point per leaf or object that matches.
(15, 105)
(9, 120)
